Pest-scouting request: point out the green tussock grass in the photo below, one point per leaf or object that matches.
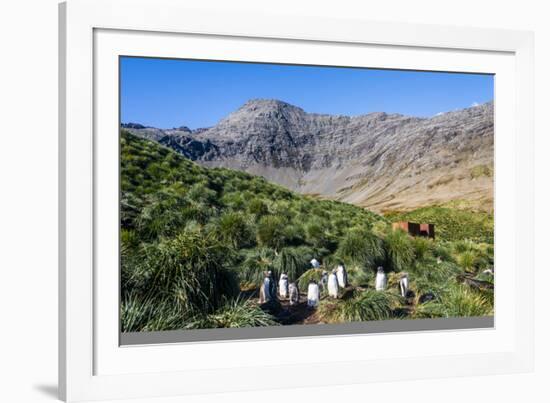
(452, 224)
(480, 171)
(367, 305)
(459, 301)
(234, 314)
(307, 277)
(194, 241)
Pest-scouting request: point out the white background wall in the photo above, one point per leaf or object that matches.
(28, 198)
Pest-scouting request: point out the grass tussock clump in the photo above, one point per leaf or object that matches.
(361, 247)
(148, 315)
(480, 171)
(399, 250)
(367, 305)
(309, 276)
(184, 276)
(358, 276)
(293, 261)
(235, 314)
(458, 301)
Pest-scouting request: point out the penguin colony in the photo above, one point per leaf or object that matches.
(329, 284)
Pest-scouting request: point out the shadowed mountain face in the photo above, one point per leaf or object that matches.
(379, 161)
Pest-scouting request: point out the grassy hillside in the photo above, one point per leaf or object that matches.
(196, 241)
(452, 224)
(186, 228)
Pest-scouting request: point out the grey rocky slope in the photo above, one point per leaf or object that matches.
(380, 161)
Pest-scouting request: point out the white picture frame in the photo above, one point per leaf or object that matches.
(92, 364)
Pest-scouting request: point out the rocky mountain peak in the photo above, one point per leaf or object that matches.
(184, 129)
(131, 125)
(266, 104)
(266, 110)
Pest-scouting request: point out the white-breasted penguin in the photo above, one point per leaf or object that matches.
(381, 279)
(404, 284)
(267, 290)
(342, 276)
(293, 294)
(283, 286)
(313, 295)
(262, 297)
(333, 284)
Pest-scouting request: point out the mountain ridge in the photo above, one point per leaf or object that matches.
(385, 162)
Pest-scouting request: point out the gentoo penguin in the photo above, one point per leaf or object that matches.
(315, 263)
(381, 280)
(283, 286)
(404, 284)
(294, 294)
(263, 297)
(272, 286)
(313, 295)
(324, 281)
(426, 297)
(332, 284)
(342, 276)
(267, 290)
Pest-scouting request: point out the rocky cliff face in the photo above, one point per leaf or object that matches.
(380, 161)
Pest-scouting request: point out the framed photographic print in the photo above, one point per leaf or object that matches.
(258, 214)
(230, 187)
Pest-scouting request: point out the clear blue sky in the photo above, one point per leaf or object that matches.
(169, 93)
